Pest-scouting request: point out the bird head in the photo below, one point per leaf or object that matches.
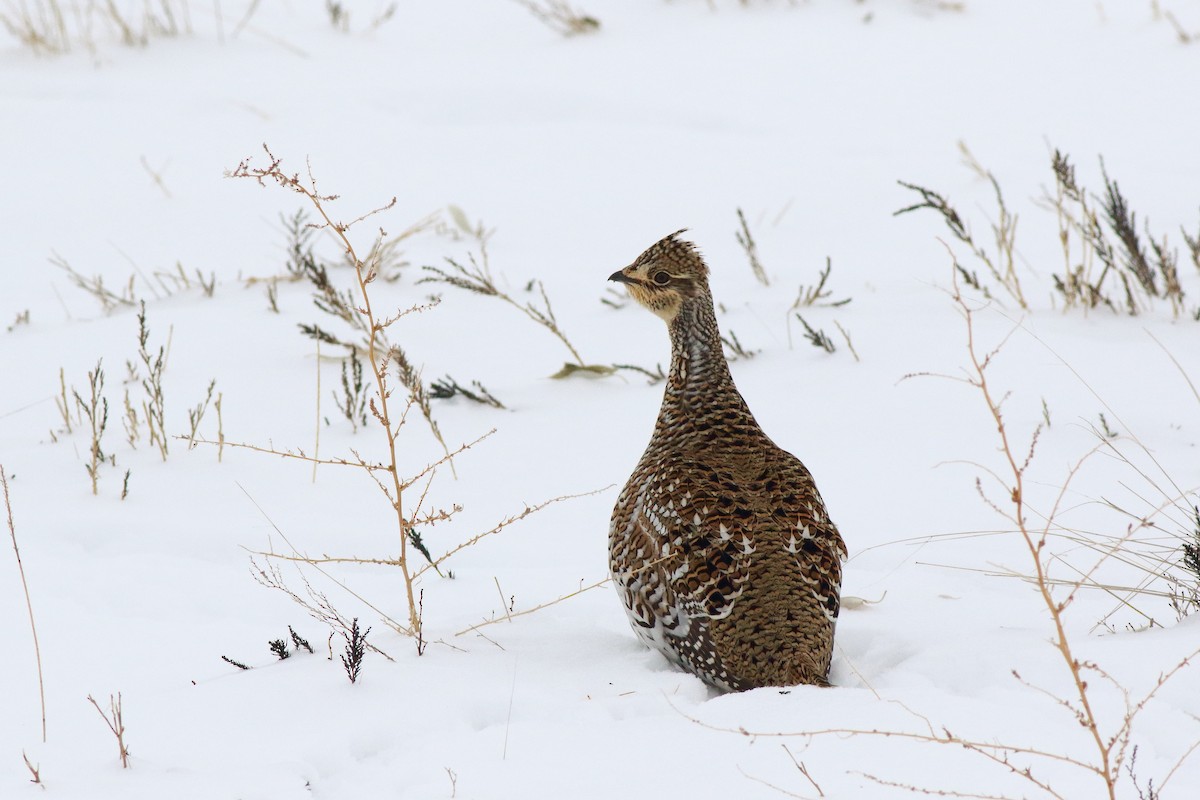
(667, 275)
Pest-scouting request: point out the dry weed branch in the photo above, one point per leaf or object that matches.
(116, 723)
(54, 27)
(447, 387)
(1110, 742)
(37, 650)
(356, 649)
(1157, 562)
(1004, 230)
(803, 770)
(1181, 33)
(156, 175)
(357, 310)
(1035, 543)
(344, 305)
(108, 298)
(339, 18)
(734, 350)
(560, 17)
(846, 335)
(95, 408)
(42, 28)
(909, 787)
(817, 338)
(944, 736)
(153, 407)
(195, 415)
(1004, 233)
(1123, 222)
(653, 376)
(60, 402)
(476, 277)
(817, 294)
(510, 615)
(317, 604)
(383, 257)
(353, 400)
(746, 240)
(379, 352)
(1109, 748)
(34, 769)
(1193, 245)
(22, 318)
(1075, 213)
(499, 526)
(299, 455)
(1136, 267)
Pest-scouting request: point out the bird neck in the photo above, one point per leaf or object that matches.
(698, 366)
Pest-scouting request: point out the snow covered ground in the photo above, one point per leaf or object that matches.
(579, 152)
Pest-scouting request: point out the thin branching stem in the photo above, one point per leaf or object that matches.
(1035, 545)
(379, 353)
(337, 462)
(510, 615)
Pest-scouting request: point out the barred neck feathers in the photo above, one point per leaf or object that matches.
(698, 365)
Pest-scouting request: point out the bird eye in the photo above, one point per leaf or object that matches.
(662, 278)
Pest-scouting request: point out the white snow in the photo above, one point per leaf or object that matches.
(580, 152)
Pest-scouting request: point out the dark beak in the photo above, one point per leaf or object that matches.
(620, 277)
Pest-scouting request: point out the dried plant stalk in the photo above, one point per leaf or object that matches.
(37, 650)
(116, 723)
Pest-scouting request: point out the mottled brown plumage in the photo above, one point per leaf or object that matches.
(720, 546)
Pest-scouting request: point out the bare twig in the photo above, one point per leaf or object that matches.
(299, 456)
(378, 352)
(1034, 544)
(34, 769)
(95, 408)
(746, 240)
(504, 523)
(846, 336)
(271, 578)
(156, 176)
(1178, 366)
(116, 724)
(37, 650)
(510, 616)
(817, 294)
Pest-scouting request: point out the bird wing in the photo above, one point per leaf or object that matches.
(803, 529)
(703, 540)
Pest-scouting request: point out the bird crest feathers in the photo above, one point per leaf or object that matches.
(680, 254)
